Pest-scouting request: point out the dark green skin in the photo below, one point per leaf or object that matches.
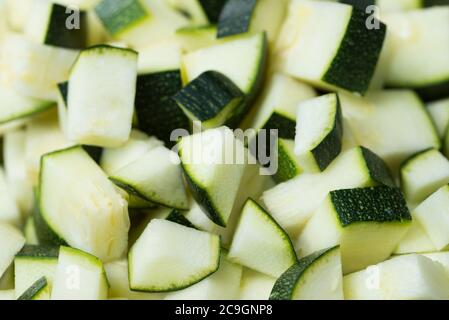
(208, 95)
(379, 171)
(118, 15)
(235, 17)
(286, 127)
(287, 169)
(331, 145)
(177, 217)
(63, 88)
(376, 204)
(213, 8)
(431, 3)
(157, 113)
(356, 60)
(34, 289)
(59, 35)
(45, 234)
(38, 251)
(285, 286)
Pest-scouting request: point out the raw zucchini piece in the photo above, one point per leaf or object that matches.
(18, 12)
(12, 241)
(194, 38)
(222, 285)
(170, 257)
(213, 9)
(212, 173)
(319, 129)
(341, 54)
(63, 91)
(157, 114)
(191, 9)
(16, 106)
(433, 215)
(117, 273)
(9, 211)
(367, 223)
(50, 24)
(260, 243)
(30, 231)
(210, 99)
(7, 295)
(155, 177)
(440, 257)
(411, 43)
(363, 285)
(114, 159)
(79, 276)
(159, 57)
(415, 241)
(423, 174)
(38, 291)
(31, 264)
(102, 82)
(242, 16)
(439, 111)
(315, 277)
(374, 123)
(34, 69)
(255, 285)
(101, 228)
(241, 59)
(292, 203)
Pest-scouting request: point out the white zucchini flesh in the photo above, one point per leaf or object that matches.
(7, 295)
(28, 271)
(14, 150)
(158, 57)
(155, 177)
(12, 242)
(239, 59)
(363, 285)
(424, 174)
(433, 216)
(71, 180)
(294, 202)
(440, 257)
(101, 93)
(415, 240)
(439, 111)
(117, 273)
(260, 243)
(34, 69)
(30, 231)
(9, 211)
(374, 123)
(255, 285)
(18, 12)
(171, 257)
(79, 276)
(114, 159)
(222, 285)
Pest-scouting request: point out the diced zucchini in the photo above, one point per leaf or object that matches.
(341, 54)
(367, 223)
(255, 285)
(33, 69)
(241, 59)
(114, 159)
(194, 38)
(210, 99)
(102, 89)
(319, 129)
(38, 291)
(315, 277)
(260, 243)
(222, 285)
(155, 177)
(171, 257)
(70, 179)
(213, 9)
(433, 216)
(414, 35)
(79, 276)
(18, 13)
(214, 162)
(191, 9)
(158, 57)
(423, 174)
(157, 114)
(12, 241)
(7, 295)
(374, 123)
(242, 16)
(9, 211)
(50, 24)
(363, 285)
(440, 257)
(439, 111)
(415, 241)
(31, 264)
(30, 231)
(292, 203)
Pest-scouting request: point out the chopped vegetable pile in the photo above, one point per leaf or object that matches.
(224, 149)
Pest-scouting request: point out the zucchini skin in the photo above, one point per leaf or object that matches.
(213, 9)
(60, 36)
(157, 114)
(235, 17)
(378, 169)
(331, 146)
(354, 65)
(38, 252)
(285, 286)
(177, 217)
(377, 204)
(63, 88)
(34, 290)
(287, 168)
(286, 127)
(44, 233)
